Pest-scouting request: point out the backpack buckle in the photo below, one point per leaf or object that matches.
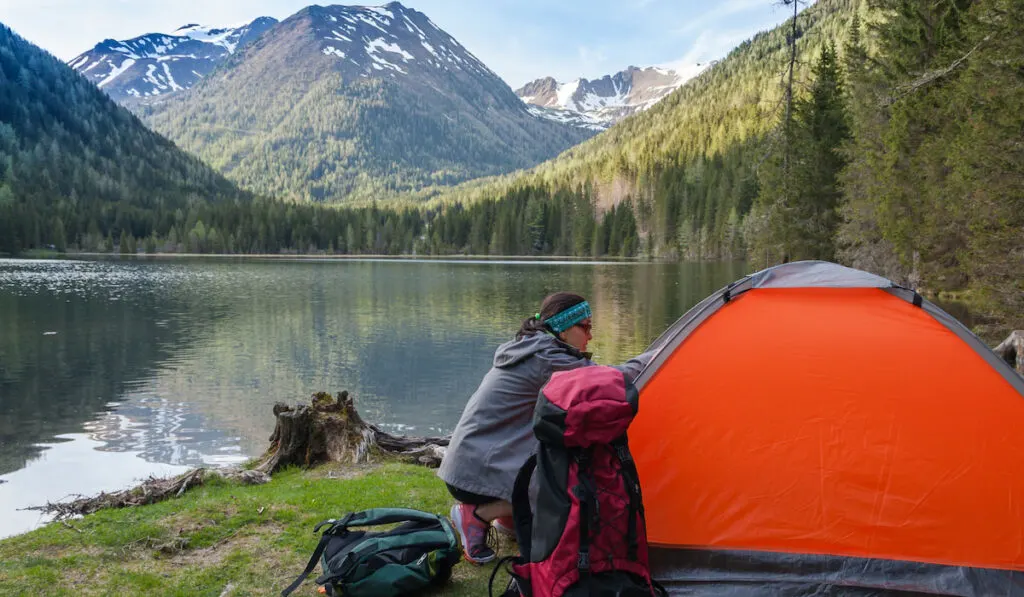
(583, 560)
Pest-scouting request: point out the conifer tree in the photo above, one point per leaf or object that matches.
(800, 196)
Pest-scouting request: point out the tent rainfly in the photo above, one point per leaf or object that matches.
(813, 429)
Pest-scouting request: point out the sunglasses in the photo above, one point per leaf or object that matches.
(585, 326)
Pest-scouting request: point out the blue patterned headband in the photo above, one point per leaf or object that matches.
(560, 322)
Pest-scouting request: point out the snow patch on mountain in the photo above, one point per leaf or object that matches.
(570, 117)
(379, 44)
(563, 97)
(386, 40)
(114, 72)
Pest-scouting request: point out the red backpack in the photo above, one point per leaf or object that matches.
(588, 536)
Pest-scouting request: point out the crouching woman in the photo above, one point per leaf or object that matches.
(494, 436)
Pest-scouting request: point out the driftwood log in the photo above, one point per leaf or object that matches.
(1011, 350)
(329, 430)
(326, 430)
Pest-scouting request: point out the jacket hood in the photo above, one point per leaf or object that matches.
(517, 351)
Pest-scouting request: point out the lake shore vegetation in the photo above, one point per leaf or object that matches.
(219, 540)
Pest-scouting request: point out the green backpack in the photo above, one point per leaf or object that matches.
(416, 554)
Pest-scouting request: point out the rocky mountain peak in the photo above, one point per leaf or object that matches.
(600, 102)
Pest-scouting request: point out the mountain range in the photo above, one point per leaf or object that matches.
(155, 64)
(349, 103)
(148, 68)
(602, 102)
(340, 103)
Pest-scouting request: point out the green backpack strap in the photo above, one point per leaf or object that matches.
(319, 551)
(378, 516)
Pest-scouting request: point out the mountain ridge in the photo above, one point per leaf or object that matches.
(156, 64)
(601, 102)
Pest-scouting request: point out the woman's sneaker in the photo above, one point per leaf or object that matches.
(505, 526)
(473, 531)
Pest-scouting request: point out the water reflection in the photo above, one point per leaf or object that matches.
(179, 362)
(70, 466)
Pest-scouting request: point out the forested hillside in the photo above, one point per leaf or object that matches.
(688, 164)
(74, 166)
(900, 153)
(78, 172)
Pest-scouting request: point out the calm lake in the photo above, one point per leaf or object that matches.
(114, 370)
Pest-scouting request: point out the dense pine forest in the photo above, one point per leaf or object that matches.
(905, 157)
(896, 149)
(74, 167)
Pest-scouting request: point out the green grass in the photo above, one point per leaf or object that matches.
(218, 539)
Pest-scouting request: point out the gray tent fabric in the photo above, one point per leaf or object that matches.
(816, 274)
(726, 573)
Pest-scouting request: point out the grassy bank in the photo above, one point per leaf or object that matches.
(218, 540)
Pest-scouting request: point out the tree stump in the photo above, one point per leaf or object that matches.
(1011, 350)
(329, 430)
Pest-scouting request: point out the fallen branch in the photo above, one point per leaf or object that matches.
(929, 77)
(152, 491)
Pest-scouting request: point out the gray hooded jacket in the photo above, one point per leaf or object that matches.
(494, 437)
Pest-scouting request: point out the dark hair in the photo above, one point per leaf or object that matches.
(552, 305)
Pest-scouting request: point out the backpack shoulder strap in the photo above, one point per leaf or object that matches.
(631, 480)
(522, 515)
(313, 560)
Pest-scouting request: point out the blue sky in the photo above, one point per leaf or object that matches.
(519, 39)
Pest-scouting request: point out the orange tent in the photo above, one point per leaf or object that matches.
(813, 429)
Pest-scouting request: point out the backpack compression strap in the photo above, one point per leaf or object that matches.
(522, 515)
(320, 547)
(631, 479)
(586, 493)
